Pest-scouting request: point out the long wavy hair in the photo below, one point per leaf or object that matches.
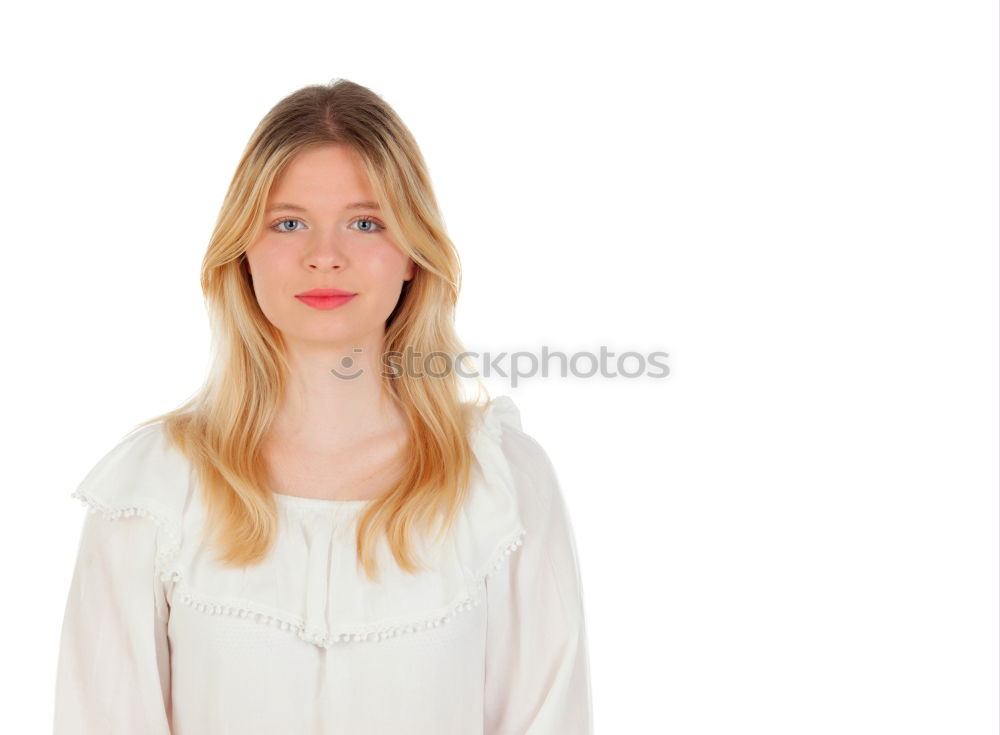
(221, 427)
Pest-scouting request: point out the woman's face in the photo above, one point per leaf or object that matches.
(323, 230)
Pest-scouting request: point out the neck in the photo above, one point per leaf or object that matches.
(335, 396)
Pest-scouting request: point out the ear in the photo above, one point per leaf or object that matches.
(411, 269)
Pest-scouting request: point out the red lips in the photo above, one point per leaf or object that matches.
(326, 292)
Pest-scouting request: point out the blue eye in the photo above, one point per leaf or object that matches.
(277, 225)
(369, 221)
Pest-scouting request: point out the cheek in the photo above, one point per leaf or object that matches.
(388, 261)
(266, 260)
(268, 269)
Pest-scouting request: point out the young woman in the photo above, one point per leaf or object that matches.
(327, 538)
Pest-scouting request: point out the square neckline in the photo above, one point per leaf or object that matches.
(307, 502)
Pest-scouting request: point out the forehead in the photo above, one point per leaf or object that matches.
(330, 174)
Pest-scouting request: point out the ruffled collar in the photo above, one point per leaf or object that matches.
(310, 583)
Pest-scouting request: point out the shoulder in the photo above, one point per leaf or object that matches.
(531, 474)
(547, 558)
(140, 474)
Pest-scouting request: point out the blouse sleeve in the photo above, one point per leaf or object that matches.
(537, 668)
(113, 671)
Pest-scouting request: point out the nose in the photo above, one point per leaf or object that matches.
(325, 252)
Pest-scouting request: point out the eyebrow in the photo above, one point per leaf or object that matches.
(297, 208)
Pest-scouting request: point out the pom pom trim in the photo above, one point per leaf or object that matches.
(166, 552)
(470, 597)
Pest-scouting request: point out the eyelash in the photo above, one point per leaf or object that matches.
(274, 225)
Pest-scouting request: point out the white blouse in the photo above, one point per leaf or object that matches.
(159, 638)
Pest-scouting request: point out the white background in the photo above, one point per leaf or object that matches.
(796, 531)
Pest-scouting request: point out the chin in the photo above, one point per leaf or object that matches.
(347, 339)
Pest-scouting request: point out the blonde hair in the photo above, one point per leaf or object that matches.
(220, 429)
